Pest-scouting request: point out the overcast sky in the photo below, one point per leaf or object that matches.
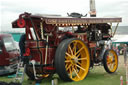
(10, 9)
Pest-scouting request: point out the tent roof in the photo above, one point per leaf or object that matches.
(120, 39)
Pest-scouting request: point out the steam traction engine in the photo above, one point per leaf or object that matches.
(68, 46)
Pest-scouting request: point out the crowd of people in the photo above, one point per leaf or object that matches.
(124, 51)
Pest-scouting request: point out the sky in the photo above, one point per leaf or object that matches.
(10, 9)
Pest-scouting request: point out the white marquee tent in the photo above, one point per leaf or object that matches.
(120, 39)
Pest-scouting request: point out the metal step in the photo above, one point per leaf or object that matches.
(20, 73)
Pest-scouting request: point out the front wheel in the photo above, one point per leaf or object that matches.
(72, 60)
(110, 61)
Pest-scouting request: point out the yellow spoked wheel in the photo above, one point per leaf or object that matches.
(110, 61)
(72, 60)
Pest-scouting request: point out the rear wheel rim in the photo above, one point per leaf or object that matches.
(112, 61)
(77, 60)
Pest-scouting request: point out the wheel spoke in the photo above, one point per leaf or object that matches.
(74, 47)
(79, 50)
(67, 61)
(82, 58)
(114, 64)
(79, 63)
(111, 56)
(75, 68)
(76, 73)
(68, 67)
(108, 61)
(113, 61)
(70, 72)
(70, 50)
(68, 55)
(80, 67)
(78, 55)
(110, 66)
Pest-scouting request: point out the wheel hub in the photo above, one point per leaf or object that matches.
(75, 60)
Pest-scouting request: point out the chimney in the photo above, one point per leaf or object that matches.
(92, 8)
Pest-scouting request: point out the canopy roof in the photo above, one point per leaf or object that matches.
(71, 20)
(62, 21)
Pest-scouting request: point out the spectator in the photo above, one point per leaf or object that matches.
(117, 50)
(125, 53)
(107, 47)
(22, 44)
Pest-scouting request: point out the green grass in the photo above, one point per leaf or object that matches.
(96, 76)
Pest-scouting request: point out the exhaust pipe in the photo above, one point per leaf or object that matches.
(92, 8)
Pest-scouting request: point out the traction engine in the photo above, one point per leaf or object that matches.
(68, 46)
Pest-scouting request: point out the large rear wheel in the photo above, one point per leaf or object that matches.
(72, 60)
(110, 61)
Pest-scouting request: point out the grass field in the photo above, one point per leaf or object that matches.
(96, 76)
